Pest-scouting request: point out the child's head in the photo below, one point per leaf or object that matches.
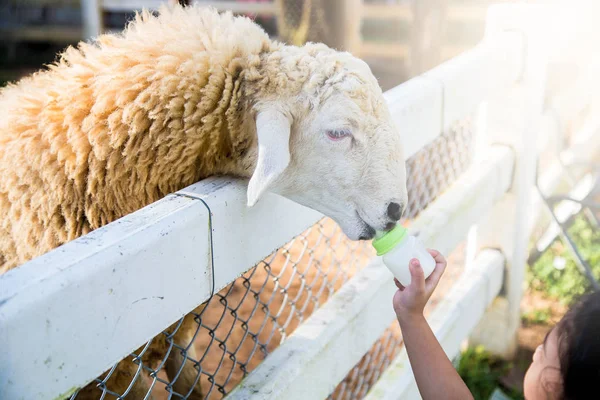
(567, 365)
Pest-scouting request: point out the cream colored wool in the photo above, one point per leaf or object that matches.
(118, 124)
(113, 127)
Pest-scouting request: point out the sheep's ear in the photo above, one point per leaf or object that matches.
(273, 131)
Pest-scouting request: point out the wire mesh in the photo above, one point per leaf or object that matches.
(437, 165)
(248, 319)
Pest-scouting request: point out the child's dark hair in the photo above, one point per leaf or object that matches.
(579, 348)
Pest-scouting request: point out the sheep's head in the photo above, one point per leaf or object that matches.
(332, 146)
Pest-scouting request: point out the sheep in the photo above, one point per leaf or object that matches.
(117, 124)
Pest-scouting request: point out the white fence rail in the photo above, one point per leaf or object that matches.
(70, 314)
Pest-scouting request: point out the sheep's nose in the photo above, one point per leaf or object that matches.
(394, 211)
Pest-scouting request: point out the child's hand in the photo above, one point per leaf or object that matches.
(411, 300)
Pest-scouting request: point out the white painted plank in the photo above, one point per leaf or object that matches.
(423, 107)
(451, 321)
(524, 142)
(129, 280)
(332, 340)
(474, 75)
(470, 197)
(98, 298)
(416, 109)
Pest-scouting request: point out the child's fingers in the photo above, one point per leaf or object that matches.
(398, 284)
(434, 253)
(438, 257)
(436, 275)
(417, 275)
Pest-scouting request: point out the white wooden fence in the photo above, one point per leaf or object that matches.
(70, 314)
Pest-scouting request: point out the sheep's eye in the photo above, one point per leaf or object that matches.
(338, 134)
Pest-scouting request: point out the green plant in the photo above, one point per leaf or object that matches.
(481, 372)
(556, 274)
(539, 316)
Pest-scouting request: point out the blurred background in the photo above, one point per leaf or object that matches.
(399, 39)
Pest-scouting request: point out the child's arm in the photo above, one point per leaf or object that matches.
(435, 375)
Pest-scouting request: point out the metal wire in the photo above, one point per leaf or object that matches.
(210, 237)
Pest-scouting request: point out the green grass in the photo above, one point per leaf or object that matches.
(481, 372)
(537, 317)
(555, 273)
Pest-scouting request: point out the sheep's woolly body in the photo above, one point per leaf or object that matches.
(111, 128)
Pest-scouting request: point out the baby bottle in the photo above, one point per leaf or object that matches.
(397, 248)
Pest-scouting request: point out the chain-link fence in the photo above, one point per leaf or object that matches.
(249, 318)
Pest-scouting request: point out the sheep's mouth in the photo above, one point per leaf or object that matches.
(368, 232)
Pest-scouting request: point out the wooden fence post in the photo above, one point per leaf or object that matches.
(514, 120)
